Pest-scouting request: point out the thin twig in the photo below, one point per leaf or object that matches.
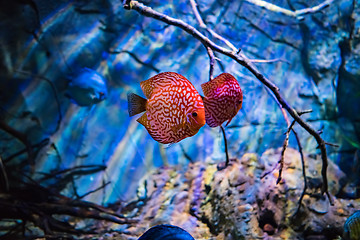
(93, 191)
(197, 14)
(73, 184)
(332, 144)
(187, 156)
(273, 38)
(39, 145)
(208, 49)
(212, 63)
(285, 145)
(21, 137)
(243, 60)
(296, 13)
(136, 58)
(212, 32)
(4, 175)
(303, 171)
(53, 145)
(305, 111)
(54, 90)
(265, 60)
(268, 172)
(40, 207)
(226, 148)
(77, 170)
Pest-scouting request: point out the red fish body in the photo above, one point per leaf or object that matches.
(223, 99)
(174, 109)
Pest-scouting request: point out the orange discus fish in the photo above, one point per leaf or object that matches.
(174, 109)
(223, 99)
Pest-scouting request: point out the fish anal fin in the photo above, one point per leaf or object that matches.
(143, 120)
(136, 104)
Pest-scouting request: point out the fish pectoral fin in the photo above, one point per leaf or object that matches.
(176, 128)
(136, 104)
(179, 126)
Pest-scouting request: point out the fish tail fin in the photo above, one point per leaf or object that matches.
(136, 104)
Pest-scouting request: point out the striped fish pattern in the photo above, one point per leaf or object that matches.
(352, 227)
(223, 99)
(173, 109)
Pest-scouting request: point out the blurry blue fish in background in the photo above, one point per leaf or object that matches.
(87, 88)
(166, 232)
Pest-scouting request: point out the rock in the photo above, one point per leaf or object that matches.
(209, 204)
(319, 206)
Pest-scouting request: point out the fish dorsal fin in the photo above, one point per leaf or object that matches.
(209, 87)
(144, 121)
(159, 82)
(206, 87)
(136, 104)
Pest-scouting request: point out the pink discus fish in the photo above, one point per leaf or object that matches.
(174, 109)
(223, 99)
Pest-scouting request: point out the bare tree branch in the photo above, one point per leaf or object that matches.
(39, 145)
(226, 147)
(54, 90)
(216, 35)
(95, 190)
(303, 171)
(279, 39)
(285, 145)
(21, 137)
(136, 58)
(211, 63)
(212, 32)
(239, 57)
(296, 13)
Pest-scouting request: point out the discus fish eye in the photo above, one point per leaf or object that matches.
(194, 114)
